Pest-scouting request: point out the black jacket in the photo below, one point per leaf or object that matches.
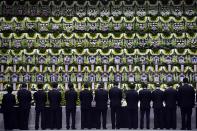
(86, 99)
(115, 96)
(54, 97)
(132, 99)
(71, 99)
(40, 98)
(145, 98)
(158, 98)
(170, 97)
(186, 96)
(101, 98)
(24, 98)
(8, 102)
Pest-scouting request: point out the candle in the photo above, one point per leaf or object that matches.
(66, 68)
(27, 68)
(2, 68)
(92, 68)
(130, 68)
(105, 68)
(117, 67)
(79, 68)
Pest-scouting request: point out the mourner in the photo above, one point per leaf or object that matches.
(71, 102)
(158, 99)
(101, 98)
(132, 99)
(145, 99)
(170, 98)
(54, 97)
(186, 101)
(40, 98)
(115, 96)
(24, 99)
(86, 98)
(8, 103)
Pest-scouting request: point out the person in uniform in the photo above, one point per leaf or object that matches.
(170, 98)
(86, 98)
(40, 98)
(145, 99)
(71, 102)
(24, 99)
(101, 99)
(54, 97)
(115, 96)
(7, 108)
(186, 101)
(132, 99)
(158, 99)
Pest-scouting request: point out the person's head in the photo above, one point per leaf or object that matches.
(144, 85)
(101, 85)
(9, 89)
(170, 84)
(86, 85)
(24, 86)
(116, 84)
(131, 86)
(70, 85)
(54, 85)
(40, 86)
(157, 85)
(185, 80)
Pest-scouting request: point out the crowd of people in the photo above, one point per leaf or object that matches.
(184, 97)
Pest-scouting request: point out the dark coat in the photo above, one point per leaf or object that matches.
(8, 102)
(170, 98)
(54, 97)
(71, 99)
(40, 98)
(145, 98)
(101, 98)
(86, 99)
(158, 98)
(132, 99)
(186, 96)
(24, 98)
(115, 96)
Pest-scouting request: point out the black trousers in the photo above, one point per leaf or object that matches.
(114, 117)
(85, 118)
(158, 118)
(142, 113)
(133, 118)
(170, 118)
(8, 119)
(23, 118)
(38, 113)
(72, 113)
(103, 113)
(55, 118)
(186, 118)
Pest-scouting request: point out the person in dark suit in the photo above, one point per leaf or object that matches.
(132, 99)
(71, 102)
(145, 99)
(170, 98)
(54, 97)
(158, 99)
(40, 98)
(115, 96)
(7, 108)
(86, 98)
(186, 101)
(101, 99)
(24, 99)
